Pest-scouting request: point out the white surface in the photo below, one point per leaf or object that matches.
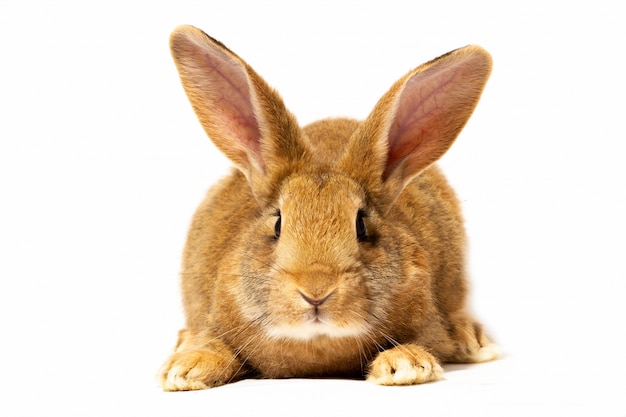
(102, 164)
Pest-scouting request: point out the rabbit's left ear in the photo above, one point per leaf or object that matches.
(417, 120)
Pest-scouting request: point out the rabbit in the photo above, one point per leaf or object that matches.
(333, 250)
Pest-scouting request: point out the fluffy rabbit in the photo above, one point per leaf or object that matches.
(336, 249)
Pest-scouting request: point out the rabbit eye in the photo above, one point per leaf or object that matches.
(277, 225)
(361, 231)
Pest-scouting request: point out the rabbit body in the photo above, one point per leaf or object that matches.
(336, 249)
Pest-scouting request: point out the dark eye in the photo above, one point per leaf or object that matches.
(361, 231)
(277, 225)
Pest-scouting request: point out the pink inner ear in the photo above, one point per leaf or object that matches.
(418, 133)
(222, 88)
(233, 99)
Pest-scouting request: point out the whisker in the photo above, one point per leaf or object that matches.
(242, 347)
(363, 356)
(273, 266)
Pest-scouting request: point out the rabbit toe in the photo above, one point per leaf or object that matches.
(484, 354)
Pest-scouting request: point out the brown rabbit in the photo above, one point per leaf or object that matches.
(333, 250)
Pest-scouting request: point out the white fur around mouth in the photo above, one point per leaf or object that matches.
(311, 330)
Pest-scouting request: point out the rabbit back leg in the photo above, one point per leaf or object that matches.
(472, 345)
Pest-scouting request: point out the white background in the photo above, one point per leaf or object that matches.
(102, 163)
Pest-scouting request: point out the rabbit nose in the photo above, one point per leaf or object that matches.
(316, 302)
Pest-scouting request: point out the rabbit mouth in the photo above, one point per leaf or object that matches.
(316, 326)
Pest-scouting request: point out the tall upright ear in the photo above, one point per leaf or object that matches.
(244, 117)
(418, 119)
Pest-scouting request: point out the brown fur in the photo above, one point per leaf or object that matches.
(320, 299)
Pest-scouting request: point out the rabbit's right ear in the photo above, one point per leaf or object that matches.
(243, 116)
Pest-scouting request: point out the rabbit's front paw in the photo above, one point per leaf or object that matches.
(404, 365)
(197, 369)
